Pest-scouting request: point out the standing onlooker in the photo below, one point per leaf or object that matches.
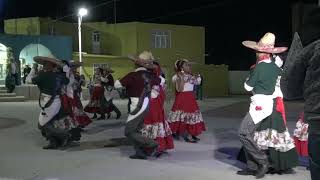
(10, 82)
(301, 80)
(26, 72)
(198, 89)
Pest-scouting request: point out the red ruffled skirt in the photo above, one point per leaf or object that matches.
(74, 107)
(185, 116)
(97, 103)
(155, 125)
(301, 146)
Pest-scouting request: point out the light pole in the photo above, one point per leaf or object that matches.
(81, 12)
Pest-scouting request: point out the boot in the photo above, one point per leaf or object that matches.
(102, 117)
(176, 136)
(52, 144)
(262, 171)
(118, 115)
(140, 154)
(94, 116)
(195, 138)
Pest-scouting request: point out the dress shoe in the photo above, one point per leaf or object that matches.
(186, 139)
(138, 156)
(246, 172)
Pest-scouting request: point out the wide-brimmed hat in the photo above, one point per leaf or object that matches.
(75, 64)
(265, 45)
(108, 69)
(144, 59)
(44, 60)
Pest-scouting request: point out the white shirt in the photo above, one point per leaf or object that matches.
(188, 84)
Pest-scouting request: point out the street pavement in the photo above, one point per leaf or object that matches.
(213, 158)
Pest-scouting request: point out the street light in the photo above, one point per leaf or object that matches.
(81, 12)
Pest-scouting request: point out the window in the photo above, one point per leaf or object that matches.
(161, 39)
(96, 36)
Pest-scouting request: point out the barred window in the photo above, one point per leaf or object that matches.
(161, 39)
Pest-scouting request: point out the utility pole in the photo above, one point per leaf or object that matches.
(115, 11)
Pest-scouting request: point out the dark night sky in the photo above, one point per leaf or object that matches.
(227, 22)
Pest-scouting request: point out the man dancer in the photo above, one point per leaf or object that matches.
(138, 85)
(261, 82)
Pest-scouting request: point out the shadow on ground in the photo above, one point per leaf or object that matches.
(10, 122)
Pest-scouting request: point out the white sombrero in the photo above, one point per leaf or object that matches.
(266, 44)
(44, 60)
(144, 59)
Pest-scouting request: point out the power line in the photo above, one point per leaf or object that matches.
(94, 7)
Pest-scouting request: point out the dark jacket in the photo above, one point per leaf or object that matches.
(301, 76)
(50, 82)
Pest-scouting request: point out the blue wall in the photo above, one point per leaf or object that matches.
(60, 46)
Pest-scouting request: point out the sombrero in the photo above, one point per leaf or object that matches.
(109, 69)
(44, 60)
(265, 45)
(144, 59)
(75, 64)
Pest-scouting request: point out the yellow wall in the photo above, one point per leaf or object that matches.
(186, 42)
(120, 65)
(215, 77)
(22, 26)
(116, 39)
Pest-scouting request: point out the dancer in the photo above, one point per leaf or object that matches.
(155, 125)
(138, 85)
(261, 81)
(273, 136)
(185, 118)
(97, 103)
(110, 92)
(300, 135)
(72, 96)
(54, 123)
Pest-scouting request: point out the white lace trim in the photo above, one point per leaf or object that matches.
(270, 138)
(157, 130)
(301, 131)
(188, 118)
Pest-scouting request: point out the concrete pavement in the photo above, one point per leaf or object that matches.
(213, 158)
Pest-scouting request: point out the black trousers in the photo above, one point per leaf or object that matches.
(132, 132)
(114, 107)
(314, 144)
(16, 78)
(53, 134)
(254, 155)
